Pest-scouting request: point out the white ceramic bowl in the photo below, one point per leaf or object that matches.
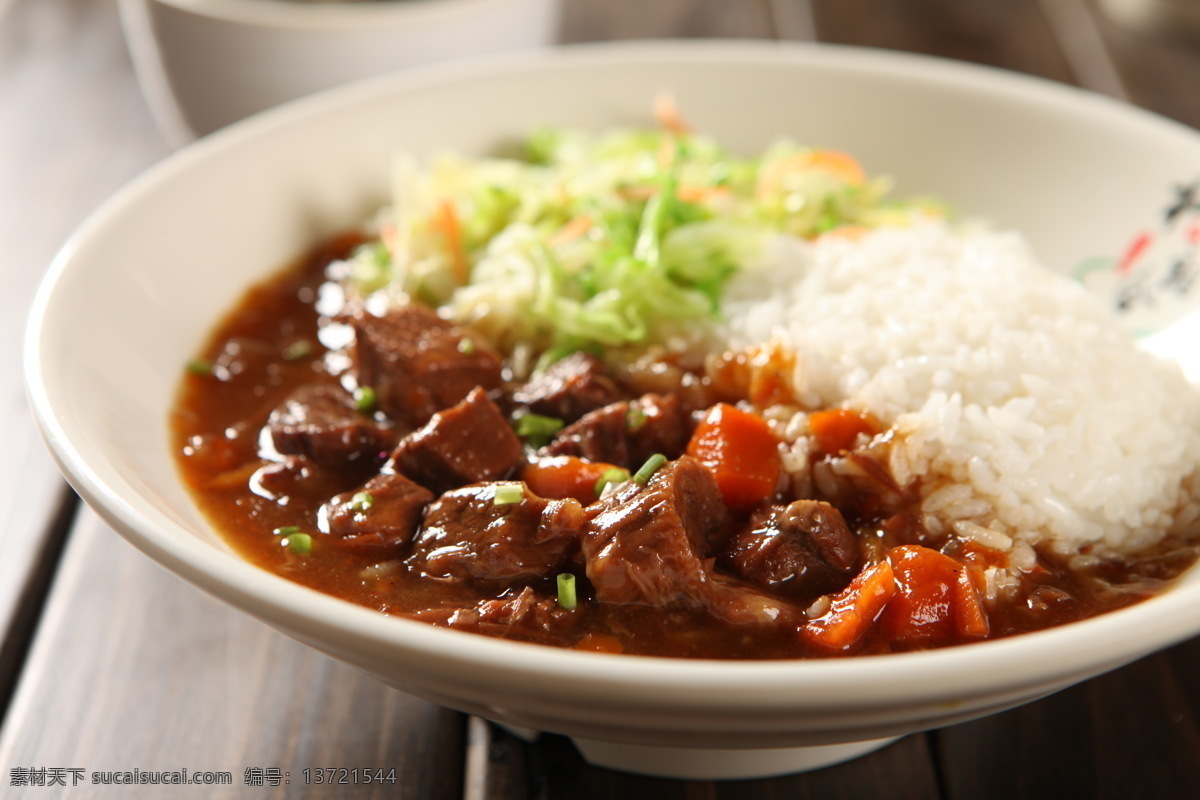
(205, 63)
(136, 290)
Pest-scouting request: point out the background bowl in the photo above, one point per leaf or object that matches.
(135, 292)
(203, 64)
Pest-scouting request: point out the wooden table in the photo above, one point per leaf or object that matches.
(108, 663)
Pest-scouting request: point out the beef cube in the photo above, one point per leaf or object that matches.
(646, 544)
(283, 480)
(418, 363)
(657, 424)
(801, 551)
(380, 517)
(322, 423)
(569, 388)
(467, 534)
(626, 433)
(469, 443)
(650, 545)
(523, 615)
(598, 436)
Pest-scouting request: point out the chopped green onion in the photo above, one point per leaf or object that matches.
(297, 350)
(536, 429)
(466, 346)
(634, 418)
(286, 530)
(611, 475)
(365, 398)
(567, 598)
(299, 543)
(199, 366)
(362, 502)
(649, 468)
(509, 493)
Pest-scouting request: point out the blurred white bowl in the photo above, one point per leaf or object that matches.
(203, 64)
(138, 288)
(1169, 19)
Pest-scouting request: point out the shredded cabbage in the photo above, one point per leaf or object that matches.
(593, 241)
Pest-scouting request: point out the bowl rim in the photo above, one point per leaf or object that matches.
(1079, 650)
(289, 14)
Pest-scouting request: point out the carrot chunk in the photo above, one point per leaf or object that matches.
(836, 429)
(567, 476)
(742, 453)
(936, 599)
(970, 617)
(447, 221)
(853, 610)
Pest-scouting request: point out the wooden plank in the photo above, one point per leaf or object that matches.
(1158, 71)
(63, 71)
(1013, 34)
(1131, 733)
(901, 771)
(497, 763)
(1074, 25)
(602, 20)
(135, 669)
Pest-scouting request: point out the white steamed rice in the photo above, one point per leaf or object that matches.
(1027, 416)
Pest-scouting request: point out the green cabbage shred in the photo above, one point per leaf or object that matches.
(590, 241)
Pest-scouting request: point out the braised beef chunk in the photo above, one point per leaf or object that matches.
(800, 551)
(626, 433)
(521, 615)
(468, 534)
(569, 388)
(280, 481)
(646, 544)
(650, 545)
(382, 515)
(468, 443)
(598, 436)
(418, 363)
(657, 424)
(301, 483)
(322, 423)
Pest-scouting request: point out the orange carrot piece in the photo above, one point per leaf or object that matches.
(936, 599)
(853, 610)
(771, 367)
(574, 229)
(668, 116)
(701, 194)
(565, 476)
(742, 453)
(841, 164)
(447, 221)
(970, 616)
(837, 429)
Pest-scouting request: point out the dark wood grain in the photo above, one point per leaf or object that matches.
(497, 763)
(592, 21)
(133, 668)
(904, 769)
(1131, 733)
(72, 129)
(1013, 34)
(1158, 72)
